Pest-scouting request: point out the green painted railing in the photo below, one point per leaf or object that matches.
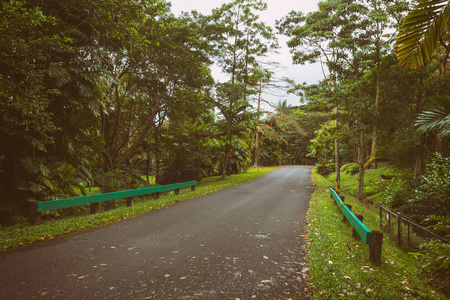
(361, 229)
(70, 202)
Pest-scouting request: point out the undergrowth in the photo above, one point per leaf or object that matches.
(339, 265)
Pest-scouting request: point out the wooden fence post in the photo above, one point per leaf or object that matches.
(355, 234)
(177, 191)
(388, 216)
(95, 208)
(381, 217)
(130, 201)
(192, 188)
(375, 247)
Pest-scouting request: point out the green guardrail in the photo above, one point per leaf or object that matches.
(83, 200)
(360, 228)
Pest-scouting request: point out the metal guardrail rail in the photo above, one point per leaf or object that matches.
(361, 229)
(41, 206)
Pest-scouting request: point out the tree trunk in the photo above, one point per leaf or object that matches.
(373, 151)
(362, 166)
(256, 162)
(337, 163)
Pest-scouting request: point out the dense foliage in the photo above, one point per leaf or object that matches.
(101, 93)
(387, 93)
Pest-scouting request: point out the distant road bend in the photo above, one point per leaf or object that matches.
(244, 242)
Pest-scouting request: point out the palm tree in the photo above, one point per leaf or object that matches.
(419, 36)
(421, 32)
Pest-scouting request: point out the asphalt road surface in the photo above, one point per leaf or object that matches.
(244, 242)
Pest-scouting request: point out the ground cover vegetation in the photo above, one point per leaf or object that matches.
(339, 264)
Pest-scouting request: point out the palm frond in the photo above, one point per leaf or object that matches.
(437, 119)
(420, 32)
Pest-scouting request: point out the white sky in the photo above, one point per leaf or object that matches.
(276, 9)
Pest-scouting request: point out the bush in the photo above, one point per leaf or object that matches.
(325, 168)
(398, 190)
(432, 195)
(350, 168)
(183, 166)
(112, 181)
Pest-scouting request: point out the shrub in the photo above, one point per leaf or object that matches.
(432, 195)
(350, 168)
(325, 168)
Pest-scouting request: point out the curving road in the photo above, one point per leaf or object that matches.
(244, 242)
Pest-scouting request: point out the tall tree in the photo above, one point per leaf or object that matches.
(352, 36)
(242, 40)
(149, 80)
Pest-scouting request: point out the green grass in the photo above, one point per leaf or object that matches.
(24, 234)
(338, 263)
(372, 182)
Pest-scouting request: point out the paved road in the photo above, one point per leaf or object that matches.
(243, 242)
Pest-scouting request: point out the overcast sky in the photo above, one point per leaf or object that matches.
(276, 9)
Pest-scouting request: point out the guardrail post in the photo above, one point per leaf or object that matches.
(156, 195)
(375, 247)
(355, 234)
(94, 207)
(177, 191)
(130, 201)
(34, 215)
(344, 219)
(192, 188)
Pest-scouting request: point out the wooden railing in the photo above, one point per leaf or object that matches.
(94, 200)
(373, 238)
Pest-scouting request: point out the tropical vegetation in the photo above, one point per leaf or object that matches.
(106, 94)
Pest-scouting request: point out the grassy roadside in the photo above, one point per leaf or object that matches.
(338, 264)
(24, 234)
